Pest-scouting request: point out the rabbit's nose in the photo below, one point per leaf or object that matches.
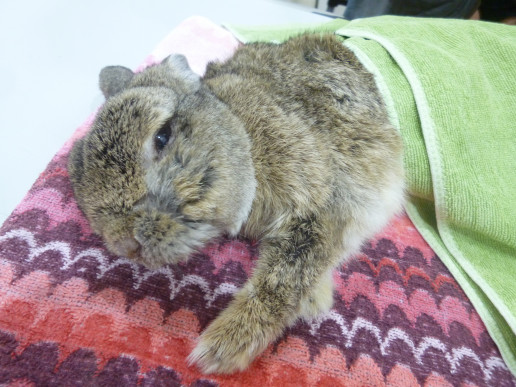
(129, 248)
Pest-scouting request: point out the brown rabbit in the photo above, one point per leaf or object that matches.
(289, 144)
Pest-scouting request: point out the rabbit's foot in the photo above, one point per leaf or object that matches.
(228, 345)
(319, 299)
(239, 334)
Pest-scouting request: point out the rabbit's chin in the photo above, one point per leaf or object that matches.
(156, 253)
(156, 239)
(164, 240)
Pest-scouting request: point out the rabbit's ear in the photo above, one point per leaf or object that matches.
(114, 79)
(180, 68)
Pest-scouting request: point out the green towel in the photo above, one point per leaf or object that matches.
(450, 87)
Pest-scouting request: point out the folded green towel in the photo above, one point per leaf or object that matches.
(450, 87)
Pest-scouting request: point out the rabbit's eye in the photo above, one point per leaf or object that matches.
(162, 137)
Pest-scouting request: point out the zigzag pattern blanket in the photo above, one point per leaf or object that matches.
(73, 314)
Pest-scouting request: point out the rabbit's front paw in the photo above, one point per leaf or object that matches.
(230, 343)
(319, 299)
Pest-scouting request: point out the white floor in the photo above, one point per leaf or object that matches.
(51, 53)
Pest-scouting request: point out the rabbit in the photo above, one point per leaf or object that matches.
(288, 144)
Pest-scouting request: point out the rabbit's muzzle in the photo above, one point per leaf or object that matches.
(155, 238)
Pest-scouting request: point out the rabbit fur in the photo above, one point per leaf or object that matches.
(287, 144)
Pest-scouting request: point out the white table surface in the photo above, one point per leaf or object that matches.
(51, 52)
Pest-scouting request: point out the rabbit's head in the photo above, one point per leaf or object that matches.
(165, 167)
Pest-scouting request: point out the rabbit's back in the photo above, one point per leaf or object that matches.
(319, 130)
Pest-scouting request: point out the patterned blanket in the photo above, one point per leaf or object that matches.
(71, 313)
